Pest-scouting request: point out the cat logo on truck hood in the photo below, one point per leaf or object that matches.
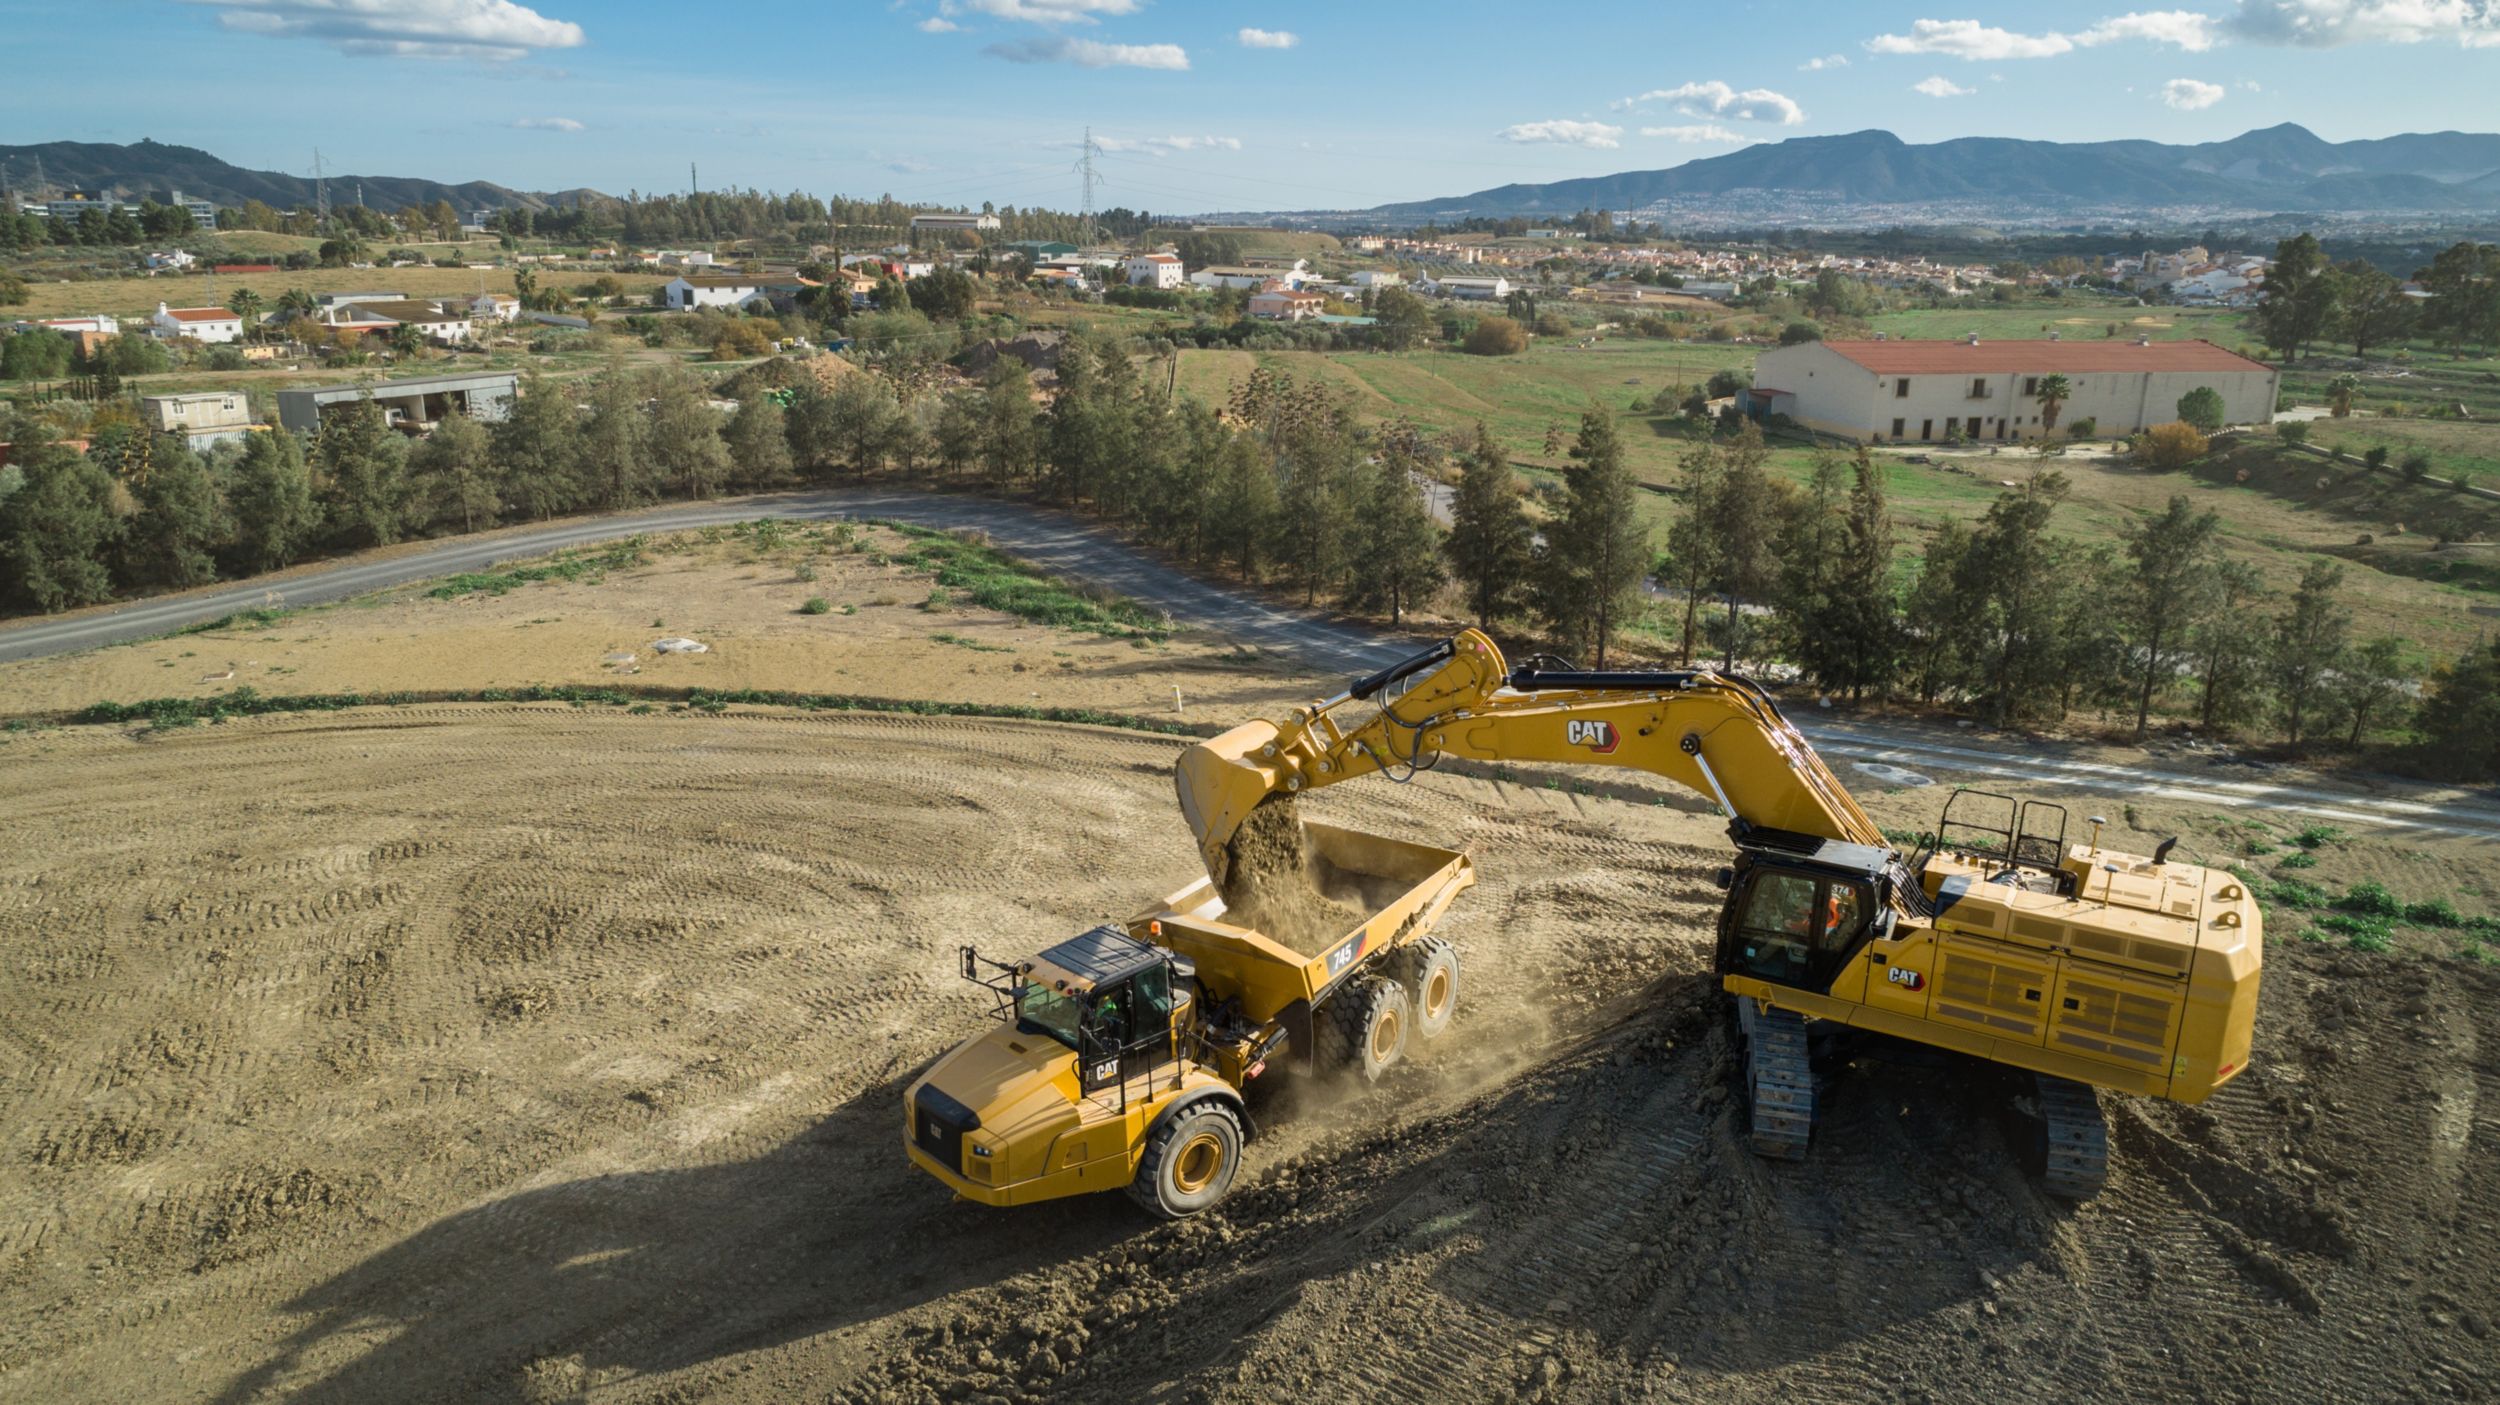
(1599, 737)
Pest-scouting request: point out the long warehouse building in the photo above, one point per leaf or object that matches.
(1893, 391)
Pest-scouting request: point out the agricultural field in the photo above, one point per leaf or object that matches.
(2078, 318)
(548, 1051)
(2467, 449)
(136, 298)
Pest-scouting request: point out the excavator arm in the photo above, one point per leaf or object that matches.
(1718, 736)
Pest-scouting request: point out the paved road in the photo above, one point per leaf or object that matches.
(1073, 547)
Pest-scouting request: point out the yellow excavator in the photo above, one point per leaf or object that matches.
(2082, 967)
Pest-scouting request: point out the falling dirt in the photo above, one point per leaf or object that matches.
(1274, 884)
(520, 1053)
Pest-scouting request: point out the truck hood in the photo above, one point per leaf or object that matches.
(1010, 1079)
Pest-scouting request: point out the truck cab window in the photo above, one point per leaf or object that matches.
(1796, 928)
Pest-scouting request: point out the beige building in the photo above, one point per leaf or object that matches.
(203, 417)
(1889, 391)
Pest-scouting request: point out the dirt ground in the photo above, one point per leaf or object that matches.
(527, 1053)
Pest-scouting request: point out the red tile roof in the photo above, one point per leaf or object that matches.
(202, 314)
(1910, 358)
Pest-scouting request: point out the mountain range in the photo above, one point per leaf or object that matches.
(152, 169)
(2278, 169)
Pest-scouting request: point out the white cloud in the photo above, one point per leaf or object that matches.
(1268, 38)
(1699, 134)
(2189, 95)
(1941, 87)
(902, 165)
(418, 29)
(2185, 29)
(1826, 61)
(1086, 53)
(1969, 40)
(1565, 132)
(1040, 11)
(1165, 146)
(2325, 24)
(1717, 99)
(938, 24)
(2249, 85)
(548, 124)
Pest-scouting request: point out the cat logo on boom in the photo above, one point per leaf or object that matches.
(1596, 736)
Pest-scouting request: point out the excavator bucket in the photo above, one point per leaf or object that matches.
(1222, 779)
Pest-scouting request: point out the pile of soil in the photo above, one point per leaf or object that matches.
(1272, 883)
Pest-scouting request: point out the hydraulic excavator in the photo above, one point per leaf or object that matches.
(2081, 966)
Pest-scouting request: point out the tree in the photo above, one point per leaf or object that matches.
(759, 445)
(2172, 446)
(1496, 336)
(358, 472)
(616, 443)
(2007, 584)
(2230, 648)
(1744, 518)
(451, 475)
(538, 447)
(2053, 392)
(1597, 550)
(2460, 715)
(1863, 626)
(2367, 685)
(57, 528)
(2371, 308)
(2297, 301)
(742, 339)
(1693, 552)
(1243, 506)
(1800, 332)
(246, 304)
(2340, 392)
(958, 431)
(1397, 548)
(945, 295)
(2167, 588)
(1010, 433)
(1402, 321)
(864, 420)
(2464, 284)
(13, 291)
(2308, 641)
(2201, 409)
(34, 355)
(1942, 637)
(271, 498)
(685, 433)
(1489, 545)
(181, 520)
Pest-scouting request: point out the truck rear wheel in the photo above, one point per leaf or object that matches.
(1189, 1161)
(1431, 972)
(1366, 1029)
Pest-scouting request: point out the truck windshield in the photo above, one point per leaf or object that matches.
(1041, 1010)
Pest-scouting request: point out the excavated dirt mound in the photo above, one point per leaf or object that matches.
(518, 1053)
(1273, 883)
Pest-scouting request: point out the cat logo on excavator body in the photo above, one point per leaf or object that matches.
(1599, 737)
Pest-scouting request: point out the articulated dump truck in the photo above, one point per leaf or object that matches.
(1120, 1055)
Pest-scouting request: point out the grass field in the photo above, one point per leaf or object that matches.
(2466, 448)
(2075, 319)
(138, 297)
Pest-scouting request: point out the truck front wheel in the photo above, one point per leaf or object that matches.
(1189, 1161)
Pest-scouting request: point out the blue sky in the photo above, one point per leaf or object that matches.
(1200, 105)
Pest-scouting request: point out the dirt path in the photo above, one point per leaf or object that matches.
(521, 1053)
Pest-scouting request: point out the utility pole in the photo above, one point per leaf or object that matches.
(1085, 169)
(321, 194)
(694, 186)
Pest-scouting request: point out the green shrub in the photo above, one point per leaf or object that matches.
(2083, 428)
(2364, 933)
(2437, 912)
(2291, 892)
(2292, 431)
(2318, 834)
(2371, 898)
(2415, 467)
(2301, 859)
(816, 605)
(2375, 456)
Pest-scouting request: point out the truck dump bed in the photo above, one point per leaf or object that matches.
(1405, 887)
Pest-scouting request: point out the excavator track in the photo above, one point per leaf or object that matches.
(2075, 1139)
(1779, 1080)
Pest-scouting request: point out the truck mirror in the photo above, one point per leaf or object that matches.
(1725, 878)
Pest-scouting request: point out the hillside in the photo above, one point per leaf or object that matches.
(153, 168)
(2278, 168)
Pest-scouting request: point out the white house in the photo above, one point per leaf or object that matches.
(685, 258)
(95, 323)
(1156, 271)
(941, 220)
(688, 291)
(1893, 391)
(200, 324)
(1282, 304)
(1375, 279)
(170, 258)
(1492, 289)
(492, 307)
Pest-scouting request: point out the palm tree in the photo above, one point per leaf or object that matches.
(407, 340)
(2341, 390)
(246, 304)
(295, 302)
(2054, 392)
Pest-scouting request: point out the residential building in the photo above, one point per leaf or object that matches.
(686, 258)
(201, 417)
(941, 220)
(200, 324)
(1278, 303)
(1216, 275)
(1157, 271)
(87, 334)
(688, 291)
(489, 307)
(1492, 289)
(413, 406)
(327, 300)
(1921, 391)
(1375, 279)
(450, 326)
(170, 259)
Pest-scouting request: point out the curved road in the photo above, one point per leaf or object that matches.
(1078, 549)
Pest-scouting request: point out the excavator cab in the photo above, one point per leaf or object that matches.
(1796, 918)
